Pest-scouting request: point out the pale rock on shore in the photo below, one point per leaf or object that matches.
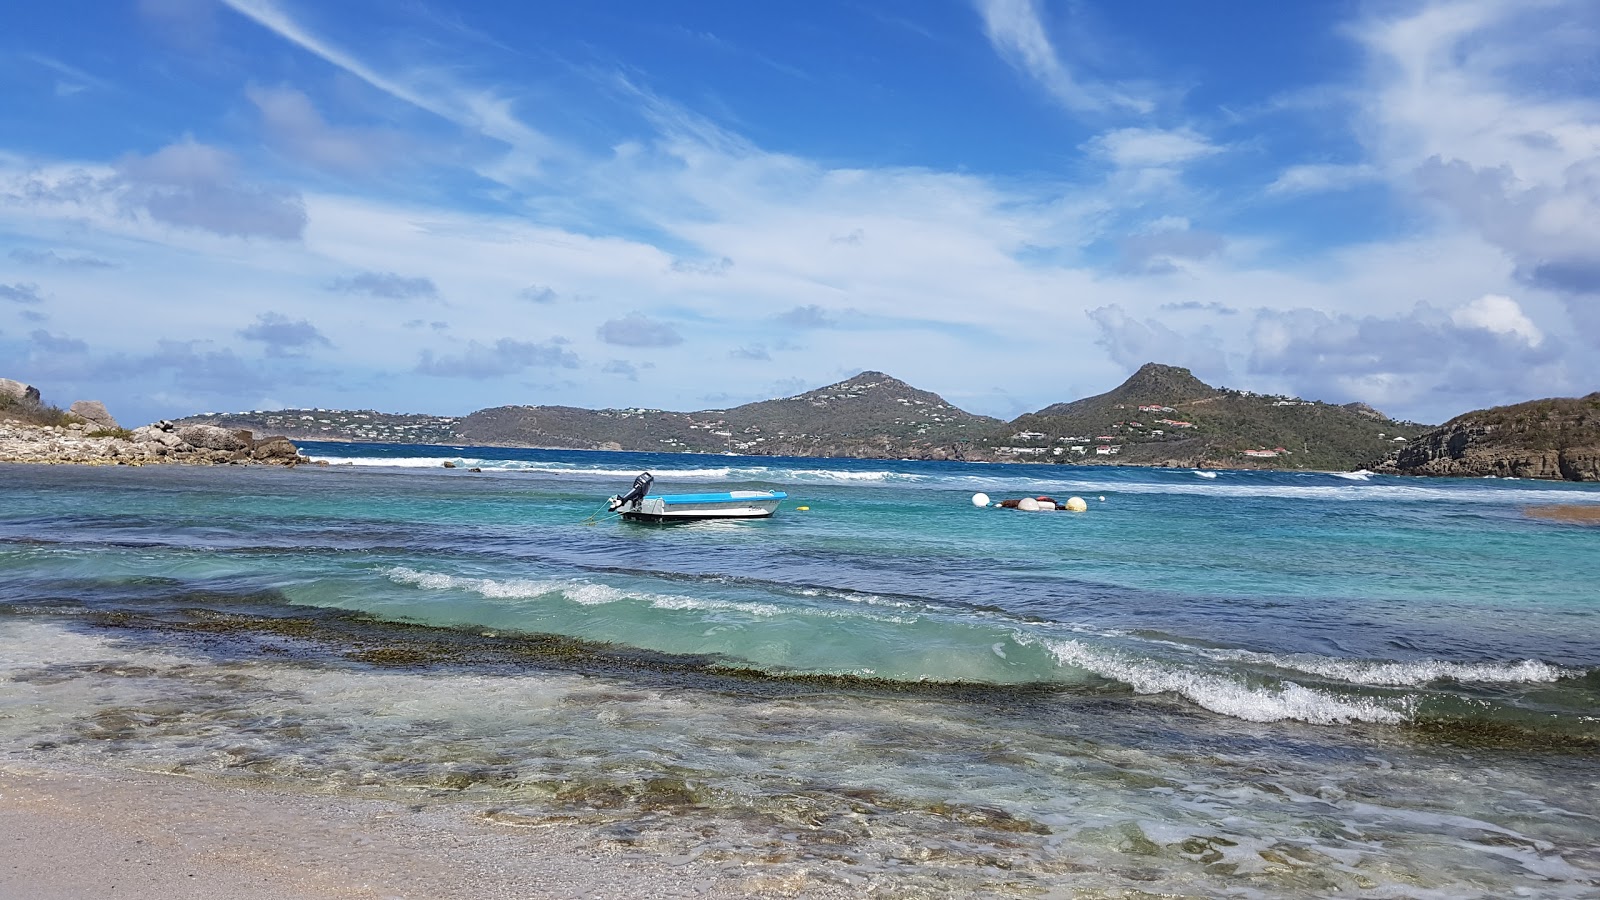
(162, 442)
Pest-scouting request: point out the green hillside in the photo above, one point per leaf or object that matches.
(1163, 415)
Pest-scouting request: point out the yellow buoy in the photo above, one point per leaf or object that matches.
(803, 508)
(1076, 504)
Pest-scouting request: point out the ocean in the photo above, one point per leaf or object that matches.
(1208, 684)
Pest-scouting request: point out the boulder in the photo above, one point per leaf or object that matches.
(94, 412)
(211, 437)
(276, 449)
(19, 392)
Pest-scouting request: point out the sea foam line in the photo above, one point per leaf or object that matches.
(592, 594)
(1225, 695)
(1401, 674)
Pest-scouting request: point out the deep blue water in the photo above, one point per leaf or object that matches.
(1132, 681)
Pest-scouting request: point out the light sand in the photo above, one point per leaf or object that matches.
(1584, 515)
(66, 835)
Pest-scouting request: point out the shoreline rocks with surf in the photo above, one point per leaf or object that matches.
(87, 434)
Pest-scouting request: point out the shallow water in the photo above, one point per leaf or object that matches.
(1210, 684)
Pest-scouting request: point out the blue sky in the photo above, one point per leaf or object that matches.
(212, 205)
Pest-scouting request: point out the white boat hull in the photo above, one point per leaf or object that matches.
(693, 507)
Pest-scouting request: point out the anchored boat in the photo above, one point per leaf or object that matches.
(638, 506)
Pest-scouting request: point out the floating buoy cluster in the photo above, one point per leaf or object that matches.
(1033, 504)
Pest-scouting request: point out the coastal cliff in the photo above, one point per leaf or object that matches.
(1556, 438)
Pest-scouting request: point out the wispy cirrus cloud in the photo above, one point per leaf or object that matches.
(1018, 35)
(52, 258)
(479, 110)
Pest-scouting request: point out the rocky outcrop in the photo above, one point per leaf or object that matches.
(162, 442)
(95, 413)
(19, 392)
(1556, 439)
(212, 437)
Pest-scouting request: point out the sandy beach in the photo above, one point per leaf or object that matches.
(71, 834)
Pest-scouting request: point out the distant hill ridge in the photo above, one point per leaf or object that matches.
(1162, 415)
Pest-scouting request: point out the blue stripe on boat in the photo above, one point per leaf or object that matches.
(670, 499)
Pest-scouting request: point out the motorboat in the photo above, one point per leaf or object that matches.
(639, 505)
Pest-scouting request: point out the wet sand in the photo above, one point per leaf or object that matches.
(1584, 515)
(66, 835)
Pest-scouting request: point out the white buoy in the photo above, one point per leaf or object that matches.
(1102, 499)
(1029, 504)
(1076, 504)
(980, 499)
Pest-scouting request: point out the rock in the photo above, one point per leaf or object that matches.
(146, 434)
(1556, 438)
(16, 390)
(94, 412)
(276, 449)
(211, 437)
(449, 465)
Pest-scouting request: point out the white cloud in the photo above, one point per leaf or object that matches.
(1018, 35)
(1144, 148)
(1499, 315)
(1321, 177)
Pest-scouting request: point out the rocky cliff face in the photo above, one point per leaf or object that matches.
(1556, 439)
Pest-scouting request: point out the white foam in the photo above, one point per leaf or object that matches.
(1226, 695)
(1205, 474)
(588, 593)
(1401, 674)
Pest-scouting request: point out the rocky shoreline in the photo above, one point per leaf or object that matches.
(161, 443)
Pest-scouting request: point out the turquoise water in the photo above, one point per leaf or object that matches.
(1208, 683)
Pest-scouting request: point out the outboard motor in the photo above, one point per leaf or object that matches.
(640, 486)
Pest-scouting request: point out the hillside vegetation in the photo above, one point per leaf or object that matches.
(1162, 415)
(1557, 437)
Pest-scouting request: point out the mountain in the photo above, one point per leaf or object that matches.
(1556, 438)
(1165, 416)
(1162, 415)
(869, 416)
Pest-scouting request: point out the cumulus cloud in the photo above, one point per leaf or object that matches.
(504, 357)
(21, 293)
(538, 293)
(1498, 315)
(1133, 342)
(1484, 349)
(1467, 112)
(57, 344)
(639, 330)
(387, 285)
(282, 336)
(1018, 35)
(809, 316)
(621, 367)
(194, 185)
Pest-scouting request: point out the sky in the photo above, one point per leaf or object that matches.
(416, 206)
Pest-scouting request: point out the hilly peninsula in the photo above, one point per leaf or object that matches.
(1161, 416)
(1555, 438)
